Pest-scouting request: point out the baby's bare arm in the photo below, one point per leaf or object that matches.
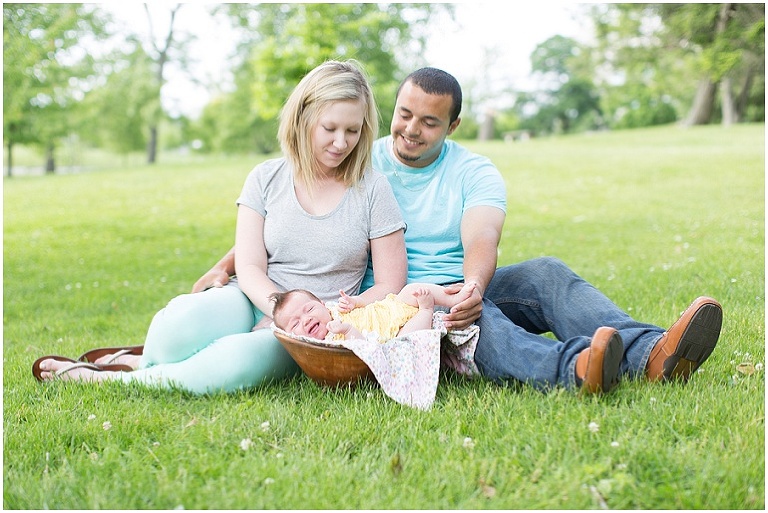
(438, 292)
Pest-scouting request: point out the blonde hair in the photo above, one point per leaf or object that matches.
(329, 82)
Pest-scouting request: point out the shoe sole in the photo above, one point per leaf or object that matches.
(94, 354)
(614, 352)
(696, 344)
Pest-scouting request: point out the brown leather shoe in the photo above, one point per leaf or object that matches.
(598, 366)
(688, 343)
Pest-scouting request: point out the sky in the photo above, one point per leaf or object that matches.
(487, 48)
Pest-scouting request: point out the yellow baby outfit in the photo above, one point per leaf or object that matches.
(385, 317)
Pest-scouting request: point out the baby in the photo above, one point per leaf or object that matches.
(300, 312)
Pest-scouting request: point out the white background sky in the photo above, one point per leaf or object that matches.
(487, 48)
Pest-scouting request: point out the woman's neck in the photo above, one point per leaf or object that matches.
(322, 197)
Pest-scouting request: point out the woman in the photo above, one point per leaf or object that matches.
(307, 220)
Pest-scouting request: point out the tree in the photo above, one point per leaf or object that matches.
(162, 50)
(46, 69)
(728, 42)
(117, 112)
(684, 57)
(282, 42)
(568, 99)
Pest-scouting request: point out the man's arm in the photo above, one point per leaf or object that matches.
(480, 234)
(218, 275)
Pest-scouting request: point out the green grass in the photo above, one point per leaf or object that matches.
(652, 217)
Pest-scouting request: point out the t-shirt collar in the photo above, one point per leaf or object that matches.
(414, 176)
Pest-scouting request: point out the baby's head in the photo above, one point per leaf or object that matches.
(300, 312)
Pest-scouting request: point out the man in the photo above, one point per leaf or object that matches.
(453, 202)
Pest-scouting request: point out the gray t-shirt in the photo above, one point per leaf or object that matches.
(322, 254)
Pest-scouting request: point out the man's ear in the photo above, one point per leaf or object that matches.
(454, 126)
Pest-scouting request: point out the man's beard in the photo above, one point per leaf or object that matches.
(407, 158)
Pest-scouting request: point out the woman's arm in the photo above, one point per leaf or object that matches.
(390, 267)
(251, 259)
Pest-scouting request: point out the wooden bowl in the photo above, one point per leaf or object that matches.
(326, 365)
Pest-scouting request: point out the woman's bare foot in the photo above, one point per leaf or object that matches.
(67, 371)
(131, 360)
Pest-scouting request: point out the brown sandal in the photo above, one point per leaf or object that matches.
(116, 352)
(37, 372)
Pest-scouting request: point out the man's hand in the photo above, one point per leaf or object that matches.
(213, 278)
(466, 312)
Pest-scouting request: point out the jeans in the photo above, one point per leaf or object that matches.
(543, 295)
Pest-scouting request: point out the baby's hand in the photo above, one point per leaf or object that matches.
(336, 326)
(346, 302)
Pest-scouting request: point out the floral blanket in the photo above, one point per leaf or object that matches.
(407, 367)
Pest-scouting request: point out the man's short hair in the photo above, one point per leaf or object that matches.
(437, 81)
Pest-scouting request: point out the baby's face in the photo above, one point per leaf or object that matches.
(305, 316)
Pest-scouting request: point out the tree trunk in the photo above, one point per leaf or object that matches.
(10, 157)
(730, 115)
(703, 104)
(743, 97)
(162, 58)
(486, 127)
(152, 145)
(50, 163)
(726, 90)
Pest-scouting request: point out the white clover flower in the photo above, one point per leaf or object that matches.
(653, 400)
(594, 427)
(269, 481)
(758, 367)
(468, 443)
(107, 425)
(246, 444)
(265, 425)
(614, 444)
(91, 417)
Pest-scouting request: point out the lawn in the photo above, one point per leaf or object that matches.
(652, 217)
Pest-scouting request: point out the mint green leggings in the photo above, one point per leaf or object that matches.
(203, 343)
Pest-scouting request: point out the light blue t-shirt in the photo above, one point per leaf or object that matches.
(433, 200)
